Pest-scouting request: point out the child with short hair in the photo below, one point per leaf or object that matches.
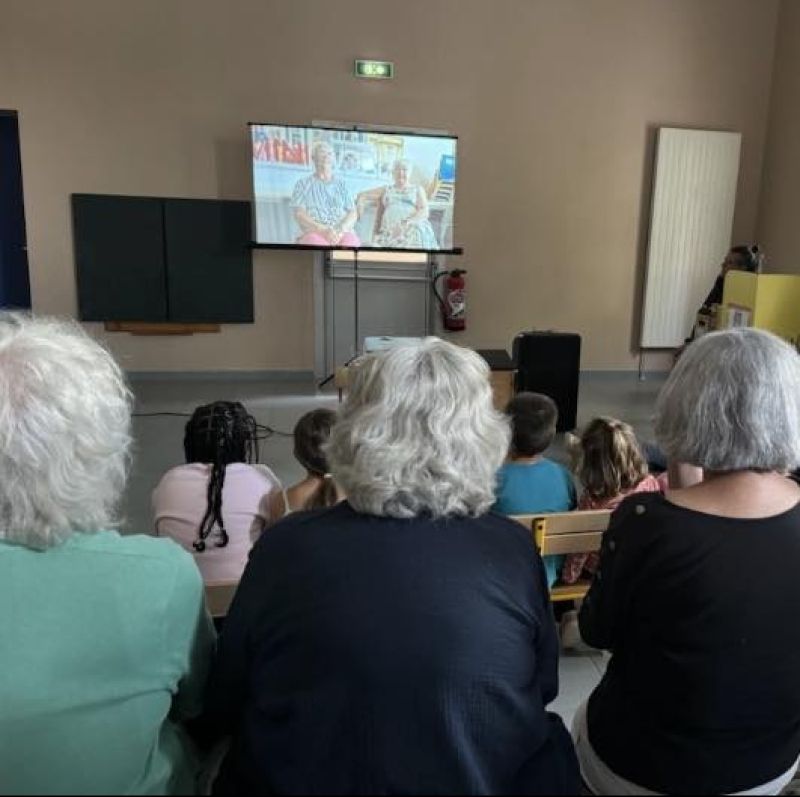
(529, 482)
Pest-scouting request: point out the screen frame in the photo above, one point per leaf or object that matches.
(456, 250)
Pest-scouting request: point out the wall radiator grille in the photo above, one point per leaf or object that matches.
(691, 220)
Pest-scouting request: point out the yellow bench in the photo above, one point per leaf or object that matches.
(563, 533)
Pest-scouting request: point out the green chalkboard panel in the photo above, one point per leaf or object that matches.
(119, 258)
(209, 261)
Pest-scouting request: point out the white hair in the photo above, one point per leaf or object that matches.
(64, 431)
(319, 145)
(418, 433)
(732, 402)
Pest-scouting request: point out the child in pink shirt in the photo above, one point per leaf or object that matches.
(218, 503)
(610, 466)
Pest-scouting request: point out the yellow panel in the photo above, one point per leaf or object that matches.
(777, 306)
(740, 289)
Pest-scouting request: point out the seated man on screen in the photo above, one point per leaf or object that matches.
(402, 221)
(322, 204)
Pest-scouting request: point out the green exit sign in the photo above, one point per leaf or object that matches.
(377, 70)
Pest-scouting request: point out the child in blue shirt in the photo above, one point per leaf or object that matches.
(529, 483)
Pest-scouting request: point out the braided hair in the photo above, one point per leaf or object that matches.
(311, 433)
(219, 434)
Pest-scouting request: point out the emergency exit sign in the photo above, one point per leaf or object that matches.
(375, 70)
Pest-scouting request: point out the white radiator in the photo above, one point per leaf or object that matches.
(694, 194)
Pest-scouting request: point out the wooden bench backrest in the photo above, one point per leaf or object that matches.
(567, 532)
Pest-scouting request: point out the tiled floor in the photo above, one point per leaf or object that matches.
(159, 446)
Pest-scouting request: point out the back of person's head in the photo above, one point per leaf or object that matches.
(609, 459)
(64, 431)
(533, 423)
(311, 434)
(748, 258)
(418, 433)
(732, 402)
(218, 434)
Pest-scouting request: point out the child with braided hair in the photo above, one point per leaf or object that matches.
(218, 503)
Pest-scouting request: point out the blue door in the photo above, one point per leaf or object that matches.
(15, 289)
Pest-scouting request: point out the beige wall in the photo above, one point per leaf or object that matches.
(779, 213)
(554, 101)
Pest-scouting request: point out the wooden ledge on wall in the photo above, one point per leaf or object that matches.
(159, 328)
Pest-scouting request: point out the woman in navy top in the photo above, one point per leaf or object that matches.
(402, 641)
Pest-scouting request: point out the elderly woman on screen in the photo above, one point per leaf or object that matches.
(401, 641)
(322, 204)
(103, 638)
(697, 590)
(402, 220)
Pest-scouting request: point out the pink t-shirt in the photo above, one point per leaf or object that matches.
(179, 504)
(576, 563)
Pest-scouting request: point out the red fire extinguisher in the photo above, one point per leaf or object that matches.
(453, 302)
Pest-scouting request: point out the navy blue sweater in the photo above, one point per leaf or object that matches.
(375, 655)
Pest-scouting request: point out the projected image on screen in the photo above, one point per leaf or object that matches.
(324, 187)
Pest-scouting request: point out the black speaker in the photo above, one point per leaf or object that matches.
(550, 363)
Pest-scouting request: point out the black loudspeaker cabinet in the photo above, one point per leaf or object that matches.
(550, 363)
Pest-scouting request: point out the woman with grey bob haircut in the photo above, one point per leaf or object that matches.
(105, 637)
(732, 402)
(401, 629)
(418, 433)
(694, 588)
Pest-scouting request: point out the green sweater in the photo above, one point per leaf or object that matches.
(104, 645)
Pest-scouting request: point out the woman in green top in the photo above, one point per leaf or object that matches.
(104, 639)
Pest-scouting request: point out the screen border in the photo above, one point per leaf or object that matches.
(456, 250)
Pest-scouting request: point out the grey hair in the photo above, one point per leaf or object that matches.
(732, 402)
(64, 431)
(402, 162)
(418, 433)
(318, 146)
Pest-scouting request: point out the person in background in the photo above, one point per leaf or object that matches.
(104, 640)
(400, 641)
(218, 503)
(609, 465)
(696, 589)
(739, 258)
(322, 204)
(528, 482)
(317, 490)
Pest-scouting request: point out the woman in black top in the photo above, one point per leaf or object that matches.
(401, 642)
(697, 590)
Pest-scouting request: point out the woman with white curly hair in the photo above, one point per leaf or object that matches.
(103, 639)
(401, 641)
(697, 590)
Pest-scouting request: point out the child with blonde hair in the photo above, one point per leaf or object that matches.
(609, 465)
